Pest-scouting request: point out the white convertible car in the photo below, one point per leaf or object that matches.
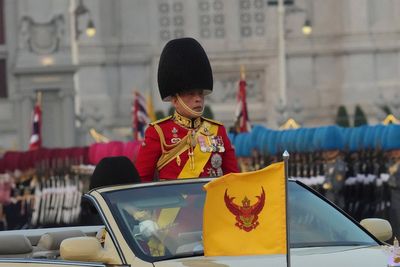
(320, 233)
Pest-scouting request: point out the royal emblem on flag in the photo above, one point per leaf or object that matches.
(246, 215)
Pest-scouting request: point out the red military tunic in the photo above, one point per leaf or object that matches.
(185, 148)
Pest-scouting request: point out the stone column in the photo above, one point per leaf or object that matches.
(68, 117)
(24, 108)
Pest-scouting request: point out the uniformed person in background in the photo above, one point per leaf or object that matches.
(334, 170)
(393, 152)
(185, 145)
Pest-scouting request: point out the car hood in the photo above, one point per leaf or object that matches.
(324, 256)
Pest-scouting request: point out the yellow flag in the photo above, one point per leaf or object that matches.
(245, 213)
(150, 108)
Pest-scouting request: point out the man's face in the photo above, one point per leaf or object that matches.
(194, 99)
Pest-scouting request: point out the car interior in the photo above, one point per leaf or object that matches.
(39, 246)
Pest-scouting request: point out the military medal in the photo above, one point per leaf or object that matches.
(174, 132)
(203, 144)
(220, 144)
(217, 144)
(209, 147)
(175, 139)
(216, 163)
(212, 141)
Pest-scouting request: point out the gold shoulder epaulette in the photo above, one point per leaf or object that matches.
(213, 121)
(160, 120)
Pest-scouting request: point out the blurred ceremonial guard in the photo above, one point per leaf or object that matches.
(185, 145)
(331, 167)
(392, 145)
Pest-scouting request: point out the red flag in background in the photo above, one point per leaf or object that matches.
(242, 123)
(35, 141)
(140, 117)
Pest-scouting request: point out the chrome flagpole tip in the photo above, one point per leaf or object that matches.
(285, 154)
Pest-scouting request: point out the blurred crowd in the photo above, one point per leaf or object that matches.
(43, 187)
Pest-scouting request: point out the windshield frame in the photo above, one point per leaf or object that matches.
(148, 258)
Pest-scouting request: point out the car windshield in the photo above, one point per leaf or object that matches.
(165, 221)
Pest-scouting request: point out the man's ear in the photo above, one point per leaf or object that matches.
(174, 101)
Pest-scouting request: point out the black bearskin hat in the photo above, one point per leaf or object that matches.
(183, 66)
(114, 171)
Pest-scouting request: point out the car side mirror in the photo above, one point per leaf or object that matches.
(85, 249)
(380, 228)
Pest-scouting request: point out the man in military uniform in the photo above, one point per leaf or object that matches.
(334, 170)
(392, 146)
(185, 145)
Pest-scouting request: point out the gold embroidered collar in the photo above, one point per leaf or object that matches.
(186, 122)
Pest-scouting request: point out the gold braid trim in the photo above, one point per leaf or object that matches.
(186, 122)
(170, 152)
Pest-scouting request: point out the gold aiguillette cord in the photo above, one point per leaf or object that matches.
(192, 144)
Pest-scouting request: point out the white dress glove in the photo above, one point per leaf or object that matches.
(148, 228)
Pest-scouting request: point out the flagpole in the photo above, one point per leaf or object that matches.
(39, 98)
(286, 164)
(134, 114)
(242, 73)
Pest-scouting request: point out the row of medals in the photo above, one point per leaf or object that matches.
(208, 143)
(211, 143)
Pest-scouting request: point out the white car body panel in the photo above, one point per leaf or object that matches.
(308, 257)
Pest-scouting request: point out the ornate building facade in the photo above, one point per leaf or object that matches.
(350, 58)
